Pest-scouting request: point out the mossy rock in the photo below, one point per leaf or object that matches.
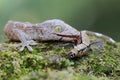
(49, 61)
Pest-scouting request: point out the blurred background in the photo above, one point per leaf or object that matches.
(96, 15)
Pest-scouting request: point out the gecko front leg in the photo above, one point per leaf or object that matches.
(25, 41)
(15, 31)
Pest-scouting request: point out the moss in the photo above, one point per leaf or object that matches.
(49, 61)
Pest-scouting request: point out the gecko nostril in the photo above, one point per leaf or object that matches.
(72, 54)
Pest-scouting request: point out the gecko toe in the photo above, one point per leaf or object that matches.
(22, 48)
(17, 45)
(29, 48)
(31, 42)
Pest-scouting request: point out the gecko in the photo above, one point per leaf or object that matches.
(28, 33)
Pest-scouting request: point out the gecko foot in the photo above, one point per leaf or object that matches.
(26, 44)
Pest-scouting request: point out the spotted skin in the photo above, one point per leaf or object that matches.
(27, 33)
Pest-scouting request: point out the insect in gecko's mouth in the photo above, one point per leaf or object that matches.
(72, 54)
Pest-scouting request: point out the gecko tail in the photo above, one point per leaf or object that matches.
(108, 39)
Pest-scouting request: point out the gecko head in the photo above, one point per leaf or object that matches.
(61, 26)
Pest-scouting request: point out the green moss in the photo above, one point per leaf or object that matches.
(49, 60)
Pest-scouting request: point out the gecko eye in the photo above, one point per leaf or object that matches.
(58, 28)
(72, 54)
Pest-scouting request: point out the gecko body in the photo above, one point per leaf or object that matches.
(27, 33)
(40, 31)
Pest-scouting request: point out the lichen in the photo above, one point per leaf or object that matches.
(49, 61)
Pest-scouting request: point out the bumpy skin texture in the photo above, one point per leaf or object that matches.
(40, 31)
(27, 32)
(50, 30)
